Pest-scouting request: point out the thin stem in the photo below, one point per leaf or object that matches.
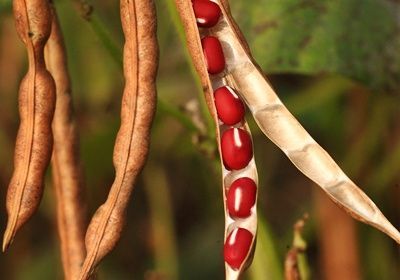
(203, 106)
(89, 14)
(177, 114)
(105, 37)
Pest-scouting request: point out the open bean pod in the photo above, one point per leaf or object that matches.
(241, 72)
(235, 145)
(281, 127)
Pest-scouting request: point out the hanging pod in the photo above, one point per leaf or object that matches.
(243, 74)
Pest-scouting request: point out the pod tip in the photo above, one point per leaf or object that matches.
(86, 271)
(393, 233)
(7, 240)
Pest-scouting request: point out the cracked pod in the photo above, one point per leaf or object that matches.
(243, 74)
(240, 180)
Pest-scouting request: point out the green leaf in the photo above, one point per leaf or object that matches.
(356, 38)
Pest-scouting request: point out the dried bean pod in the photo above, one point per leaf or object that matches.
(66, 167)
(36, 107)
(243, 74)
(245, 167)
(280, 126)
(140, 66)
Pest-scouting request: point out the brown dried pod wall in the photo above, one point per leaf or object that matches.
(66, 166)
(36, 107)
(240, 178)
(232, 81)
(209, 33)
(138, 105)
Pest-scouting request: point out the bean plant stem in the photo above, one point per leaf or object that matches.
(90, 15)
(203, 106)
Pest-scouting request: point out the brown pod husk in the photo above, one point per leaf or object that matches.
(278, 124)
(281, 127)
(66, 166)
(209, 84)
(36, 107)
(131, 148)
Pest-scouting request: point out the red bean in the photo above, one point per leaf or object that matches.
(236, 148)
(213, 54)
(230, 108)
(207, 12)
(241, 197)
(237, 247)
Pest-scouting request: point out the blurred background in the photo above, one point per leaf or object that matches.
(335, 64)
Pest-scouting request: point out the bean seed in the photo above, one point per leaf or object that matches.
(237, 149)
(207, 13)
(230, 108)
(241, 197)
(213, 54)
(237, 246)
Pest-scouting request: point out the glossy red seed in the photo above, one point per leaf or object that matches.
(236, 148)
(207, 12)
(237, 247)
(213, 54)
(230, 108)
(241, 197)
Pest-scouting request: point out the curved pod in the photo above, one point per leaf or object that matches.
(132, 143)
(279, 125)
(243, 74)
(232, 167)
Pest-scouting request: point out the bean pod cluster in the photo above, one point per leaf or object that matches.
(236, 146)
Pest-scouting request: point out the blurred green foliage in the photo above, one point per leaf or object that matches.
(336, 64)
(356, 38)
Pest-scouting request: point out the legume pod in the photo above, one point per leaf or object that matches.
(243, 74)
